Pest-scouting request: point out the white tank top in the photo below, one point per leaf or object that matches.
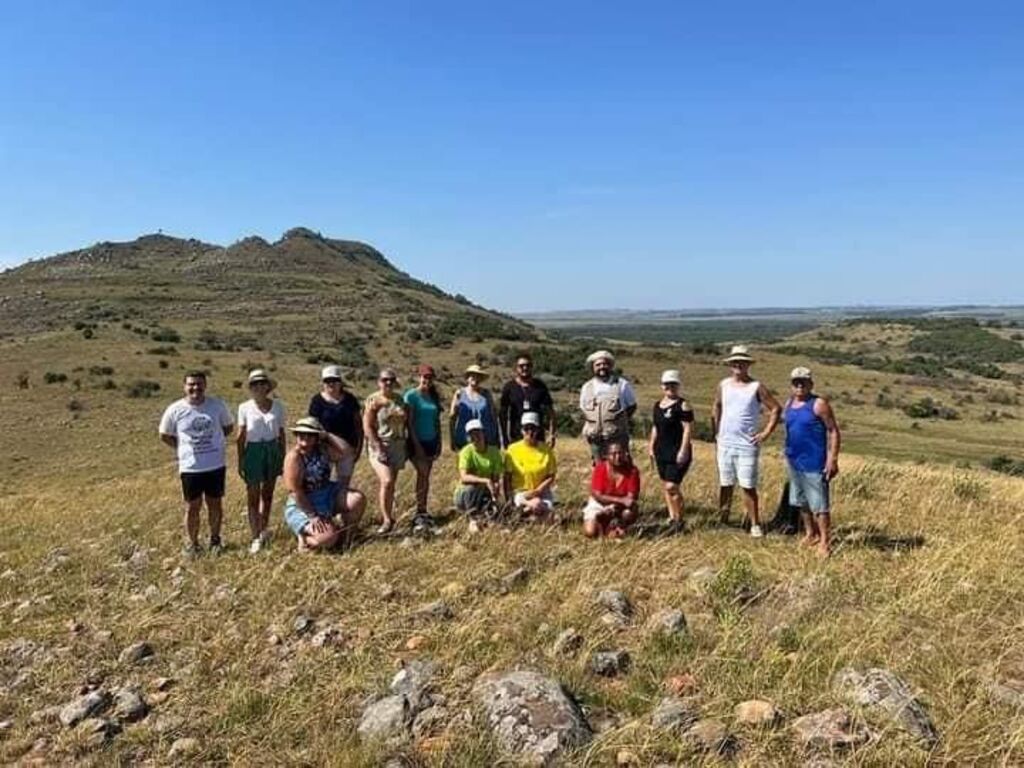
(741, 414)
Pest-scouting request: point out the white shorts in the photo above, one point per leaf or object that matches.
(547, 499)
(737, 465)
(593, 509)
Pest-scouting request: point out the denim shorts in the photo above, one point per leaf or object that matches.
(737, 465)
(322, 500)
(808, 490)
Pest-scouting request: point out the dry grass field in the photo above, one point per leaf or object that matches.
(924, 580)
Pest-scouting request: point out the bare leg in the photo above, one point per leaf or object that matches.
(674, 501)
(628, 516)
(824, 523)
(386, 493)
(810, 529)
(252, 500)
(593, 529)
(266, 503)
(750, 504)
(349, 505)
(215, 510)
(724, 502)
(192, 520)
(423, 467)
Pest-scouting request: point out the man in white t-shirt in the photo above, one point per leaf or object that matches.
(196, 427)
(608, 403)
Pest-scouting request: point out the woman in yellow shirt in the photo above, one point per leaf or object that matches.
(530, 469)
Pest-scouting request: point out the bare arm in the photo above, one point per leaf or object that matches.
(774, 410)
(552, 425)
(716, 413)
(370, 426)
(823, 410)
(293, 479)
(170, 440)
(652, 441)
(504, 406)
(453, 416)
(685, 446)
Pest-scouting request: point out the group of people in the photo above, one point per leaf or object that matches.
(506, 459)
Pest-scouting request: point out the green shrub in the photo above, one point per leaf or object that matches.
(142, 388)
(54, 378)
(165, 334)
(101, 370)
(1006, 465)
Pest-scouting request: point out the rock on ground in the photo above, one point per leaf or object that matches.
(129, 704)
(673, 714)
(567, 643)
(882, 690)
(531, 715)
(609, 663)
(438, 610)
(136, 652)
(670, 622)
(757, 712)
(413, 681)
(828, 730)
(386, 720)
(84, 707)
(616, 603)
(711, 736)
(186, 747)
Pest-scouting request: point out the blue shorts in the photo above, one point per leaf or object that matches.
(808, 490)
(322, 500)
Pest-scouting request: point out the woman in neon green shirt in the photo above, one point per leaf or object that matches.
(480, 471)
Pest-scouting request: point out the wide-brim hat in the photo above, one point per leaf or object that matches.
(477, 371)
(800, 372)
(257, 375)
(739, 354)
(601, 354)
(331, 372)
(307, 425)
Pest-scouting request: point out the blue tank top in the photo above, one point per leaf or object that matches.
(806, 439)
(466, 410)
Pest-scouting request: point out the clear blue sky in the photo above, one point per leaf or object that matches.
(539, 155)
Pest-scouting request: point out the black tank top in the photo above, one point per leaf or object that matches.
(669, 423)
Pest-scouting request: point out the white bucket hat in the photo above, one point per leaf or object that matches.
(601, 354)
(331, 372)
(739, 354)
(671, 377)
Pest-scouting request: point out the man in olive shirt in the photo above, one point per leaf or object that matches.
(525, 394)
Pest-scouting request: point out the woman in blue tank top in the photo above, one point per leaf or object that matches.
(473, 402)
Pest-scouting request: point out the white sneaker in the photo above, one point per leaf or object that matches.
(256, 546)
(474, 527)
(756, 532)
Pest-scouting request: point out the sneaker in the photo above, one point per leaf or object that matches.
(191, 551)
(385, 528)
(256, 545)
(216, 547)
(756, 532)
(422, 523)
(474, 527)
(675, 527)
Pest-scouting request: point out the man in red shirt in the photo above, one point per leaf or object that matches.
(614, 494)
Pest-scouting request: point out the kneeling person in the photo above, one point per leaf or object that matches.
(480, 472)
(318, 511)
(614, 494)
(530, 468)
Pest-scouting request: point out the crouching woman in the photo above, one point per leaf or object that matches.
(320, 514)
(614, 493)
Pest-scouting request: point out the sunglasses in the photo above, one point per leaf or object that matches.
(524, 365)
(801, 382)
(332, 381)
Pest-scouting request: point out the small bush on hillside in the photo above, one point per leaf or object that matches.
(1006, 465)
(101, 370)
(75, 405)
(734, 587)
(108, 384)
(163, 363)
(54, 378)
(88, 333)
(165, 334)
(968, 488)
(926, 408)
(163, 350)
(142, 388)
(21, 380)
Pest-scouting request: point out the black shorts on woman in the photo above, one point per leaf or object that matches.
(669, 423)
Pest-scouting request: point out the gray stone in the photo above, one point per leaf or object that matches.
(828, 730)
(614, 620)
(413, 681)
(45, 715)
(100, 728)
(328, 637)
(167, 723)
(615, 602)
(711, 736)
(673, 714)
(882, 691)
(567, 643)
(530, 715)
(136, 653)
(439, 610)
(302, 624)
(670, 622)
(83, 707)
(386, 720)
(609, 663)
(187, 747)
(129, 704)
(430, 721)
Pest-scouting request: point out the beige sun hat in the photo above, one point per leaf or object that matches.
(331, 372)
(671, 376)
(477, 371)
(257, 375)
(601, 354)
(308, 425)
(739, 354)
(800, 372)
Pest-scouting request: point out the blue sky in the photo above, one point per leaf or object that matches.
(539, 155)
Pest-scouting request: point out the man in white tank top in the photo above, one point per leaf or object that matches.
(736, 418)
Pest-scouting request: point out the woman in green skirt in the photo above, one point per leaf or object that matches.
(261, 448)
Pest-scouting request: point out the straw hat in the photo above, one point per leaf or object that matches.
(477, 371)
(601, 354)
(257, 375)
(307, 425)
(739, 354)
(800, 372)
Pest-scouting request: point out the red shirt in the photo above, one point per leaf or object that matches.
(601, 481)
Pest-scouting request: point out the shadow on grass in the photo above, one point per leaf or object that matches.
(868, 537)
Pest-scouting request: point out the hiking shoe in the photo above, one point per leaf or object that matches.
(675, 527)
(191, 551)
(474, 527)
(256, 545)
(422, 523)
(265, 537)
(756, 532)
(216, 547)
(385, 528)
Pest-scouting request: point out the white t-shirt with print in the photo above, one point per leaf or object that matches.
(261, 427)
(200, 433)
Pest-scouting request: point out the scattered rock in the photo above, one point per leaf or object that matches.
(672, 714)
(830, 729)
(136, 653)
(670, 622)
(413, 681)
(883, 691)
(387, 592)
(614, 620)
(616, 603)
(757, 712)
(162, 683)
(328, 637)
(430, 721)
(274, 639)
(711, 736)
(159, 698)
(99, 729)
(626, 758)
(129, 705)
(302, 624)
(75, 627)
(45, 715)
(386, 720)
(531, 715)
(453, 589)
(567, 643)
(187, 747)
(165, 723)
(84, 707)
(609, 663)
(5, 726)
(438, 610)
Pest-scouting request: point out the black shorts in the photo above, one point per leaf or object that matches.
(671, 472)
(196, 484)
